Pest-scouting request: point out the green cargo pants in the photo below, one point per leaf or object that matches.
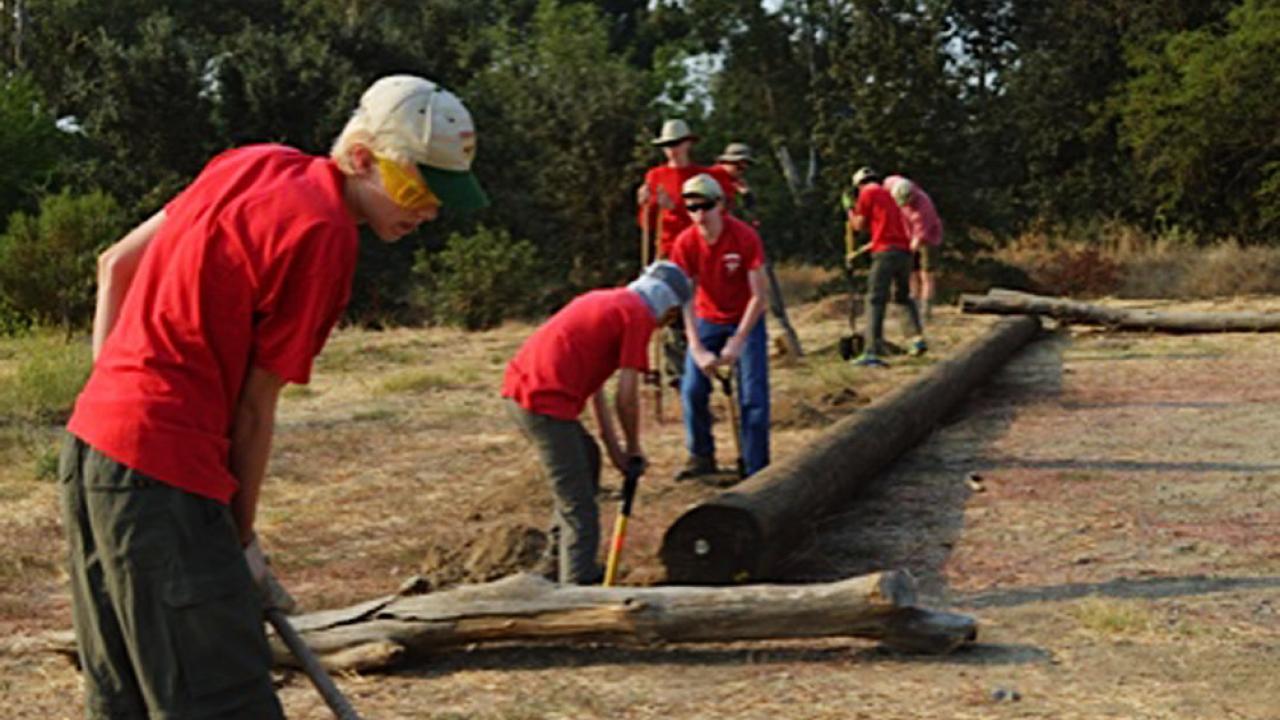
(168, 621)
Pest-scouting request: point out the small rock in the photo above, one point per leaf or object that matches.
(1005, 694)
(974, 481)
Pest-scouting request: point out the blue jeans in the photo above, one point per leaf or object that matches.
(753, 395)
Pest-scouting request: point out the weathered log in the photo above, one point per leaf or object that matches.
(382, 632)
(741, 535)
(1011, 302)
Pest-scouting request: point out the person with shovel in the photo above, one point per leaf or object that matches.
(564, 364)
(205, 311)
(725, 328)
(890, 247)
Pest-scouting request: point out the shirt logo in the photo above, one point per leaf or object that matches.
(732, 261)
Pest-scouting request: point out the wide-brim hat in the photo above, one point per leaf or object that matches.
(433, 126)
(735, 152)
(673, 131)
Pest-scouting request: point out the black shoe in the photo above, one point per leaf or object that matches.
(696, 467)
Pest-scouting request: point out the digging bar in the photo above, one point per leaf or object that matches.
(333, 697)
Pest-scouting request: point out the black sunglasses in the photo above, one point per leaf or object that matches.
(700, 206)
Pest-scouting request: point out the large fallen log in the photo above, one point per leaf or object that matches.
(390, 630)
(741, 535)
(1011, 302)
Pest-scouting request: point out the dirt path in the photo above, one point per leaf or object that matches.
(1120, 547)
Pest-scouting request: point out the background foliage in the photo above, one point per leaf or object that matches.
(1016, 115)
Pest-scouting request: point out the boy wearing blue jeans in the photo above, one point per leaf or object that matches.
(724, 258)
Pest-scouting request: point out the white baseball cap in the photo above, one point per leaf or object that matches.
(434, 127)
(702, 185)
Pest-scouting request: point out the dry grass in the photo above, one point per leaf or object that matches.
(1117, 259)
(1122, 551)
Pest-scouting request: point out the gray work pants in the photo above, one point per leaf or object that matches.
(571, 458)
(890, 269)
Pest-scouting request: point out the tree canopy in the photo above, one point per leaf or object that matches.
(1011, 113)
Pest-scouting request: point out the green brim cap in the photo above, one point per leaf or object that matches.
(457, 189)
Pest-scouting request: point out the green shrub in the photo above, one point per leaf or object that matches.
(48, 262)
(45, 374)
(477, 280)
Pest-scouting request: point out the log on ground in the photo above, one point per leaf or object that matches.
(742, 534)
(527, 608)
(1011, 302)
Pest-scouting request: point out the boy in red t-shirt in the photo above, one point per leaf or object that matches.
(565, 363)
(204, 312)
(877, 212)
(660, 212)
(724, 258)
(659, 195)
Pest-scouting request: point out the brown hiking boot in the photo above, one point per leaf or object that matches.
(696, 467)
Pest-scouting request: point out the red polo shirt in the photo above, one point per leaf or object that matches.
(251, 266)
(570, 357)
(720, 270)
(676, 219)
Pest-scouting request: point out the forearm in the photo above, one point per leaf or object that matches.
(627, 407)
(690, 327)
(604, 423)
(754, 311)
(251, 436)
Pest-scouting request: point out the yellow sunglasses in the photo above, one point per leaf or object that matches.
(405, 187)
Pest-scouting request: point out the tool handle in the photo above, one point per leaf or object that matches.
(333, 697)
(615, 550)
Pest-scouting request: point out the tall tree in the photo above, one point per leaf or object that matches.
(566, 113)
(1202, 119)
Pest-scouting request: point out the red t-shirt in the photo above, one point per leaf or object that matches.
(252, 265)
(676, 219)
(888, 229)
(719, 271)
(570, 357)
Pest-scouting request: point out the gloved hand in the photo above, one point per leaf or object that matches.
(849, 199)
(636, 465)
(271, 591)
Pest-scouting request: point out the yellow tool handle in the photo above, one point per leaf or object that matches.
(615, 550)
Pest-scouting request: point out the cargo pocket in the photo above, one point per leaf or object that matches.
(216, 625)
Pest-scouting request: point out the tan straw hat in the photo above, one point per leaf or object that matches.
(735, 152)
(673, 131)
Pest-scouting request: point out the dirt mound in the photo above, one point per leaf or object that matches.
(503, 548)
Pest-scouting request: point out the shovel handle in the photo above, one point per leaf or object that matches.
(333, 697)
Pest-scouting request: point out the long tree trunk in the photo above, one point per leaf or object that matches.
(1012, 302)
(741, 535)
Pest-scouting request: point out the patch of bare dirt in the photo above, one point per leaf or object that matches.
(1106, 507)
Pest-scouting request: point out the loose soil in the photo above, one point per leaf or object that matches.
(1107, 507)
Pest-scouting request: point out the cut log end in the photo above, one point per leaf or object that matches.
(712, 545)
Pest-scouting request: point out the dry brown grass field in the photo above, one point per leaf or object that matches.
(1121, 550)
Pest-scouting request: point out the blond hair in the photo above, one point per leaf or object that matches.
(361, 131)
